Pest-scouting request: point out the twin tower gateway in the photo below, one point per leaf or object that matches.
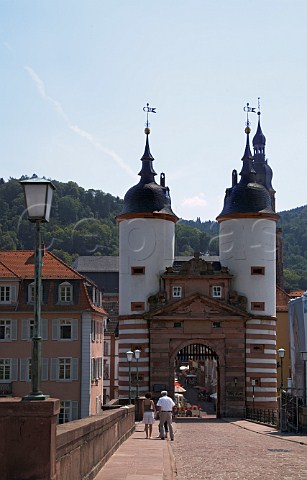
(214, 317)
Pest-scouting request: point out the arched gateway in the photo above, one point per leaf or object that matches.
(197, 329)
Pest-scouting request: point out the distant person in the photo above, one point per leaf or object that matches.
(149, 414)
(166, 406)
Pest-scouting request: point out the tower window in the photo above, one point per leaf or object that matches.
(217, 291)
(257, 306)
(137, 306)
(137, 270)
(257, 270)
(177, 292)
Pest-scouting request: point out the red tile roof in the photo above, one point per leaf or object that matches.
(20, 263)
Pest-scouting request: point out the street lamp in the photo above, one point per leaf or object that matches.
(304, 358)
(129, 358)
(281, 354)
(282, 413)
(38, 194)
(137, 354)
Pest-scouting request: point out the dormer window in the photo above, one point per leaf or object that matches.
(31, 292)
(7, 294)
(65, 292)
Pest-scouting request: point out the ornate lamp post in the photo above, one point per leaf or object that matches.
(129, 358)
(38, 196)
(137, 354)
(304, 358)
(281, 354)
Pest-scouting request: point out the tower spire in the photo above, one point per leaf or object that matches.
(247, 173)
(147, 172)
(259, 140)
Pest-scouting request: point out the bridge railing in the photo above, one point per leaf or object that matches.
(261, 415)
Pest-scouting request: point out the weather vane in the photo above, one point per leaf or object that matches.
(248, 109)
(148, 110)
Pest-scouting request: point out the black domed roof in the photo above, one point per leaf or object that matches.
(147, 195)
(247, 196)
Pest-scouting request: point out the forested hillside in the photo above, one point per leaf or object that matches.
(83, 223)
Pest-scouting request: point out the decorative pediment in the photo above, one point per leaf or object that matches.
(198, 306)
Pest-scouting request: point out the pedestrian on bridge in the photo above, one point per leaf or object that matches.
(166, 406)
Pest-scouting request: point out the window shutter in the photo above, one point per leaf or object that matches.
(23, 369)
(14, 370)
(74, 326)
(25, 330)
(74, 410)
(14, 330)
(55, 330)
(45, 328)
(74, 369)
(92, 369)
(54, 369)
(44, 373)
(13, 293)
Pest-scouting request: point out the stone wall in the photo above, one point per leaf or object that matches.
(84, 446)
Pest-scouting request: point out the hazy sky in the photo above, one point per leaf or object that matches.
(75, 75)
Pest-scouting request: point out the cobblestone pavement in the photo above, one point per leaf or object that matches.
(219, 450)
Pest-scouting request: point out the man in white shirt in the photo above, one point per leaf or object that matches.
(165, 405)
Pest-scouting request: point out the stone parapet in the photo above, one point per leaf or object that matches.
(84, 446)
(28, 439)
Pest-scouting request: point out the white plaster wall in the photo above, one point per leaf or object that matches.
(245, 243)
(143, 242)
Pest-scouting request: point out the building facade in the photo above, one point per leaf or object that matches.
(203, 314)
(72, 321)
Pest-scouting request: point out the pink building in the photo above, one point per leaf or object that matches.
(72, 322)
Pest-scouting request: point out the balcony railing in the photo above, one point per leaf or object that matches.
(5, 389)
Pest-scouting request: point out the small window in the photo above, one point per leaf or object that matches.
(257, 349)
(137, 270)
(177, 292)
(216, 324)
(177, 324)
(217, 291)
(137, 306)
(257, 306)
(257, 270)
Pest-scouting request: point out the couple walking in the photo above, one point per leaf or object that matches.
(165, 408)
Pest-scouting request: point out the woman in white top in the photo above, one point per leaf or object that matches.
(149, 414)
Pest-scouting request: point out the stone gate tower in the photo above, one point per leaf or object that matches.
(146, 248)
(247, 242)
